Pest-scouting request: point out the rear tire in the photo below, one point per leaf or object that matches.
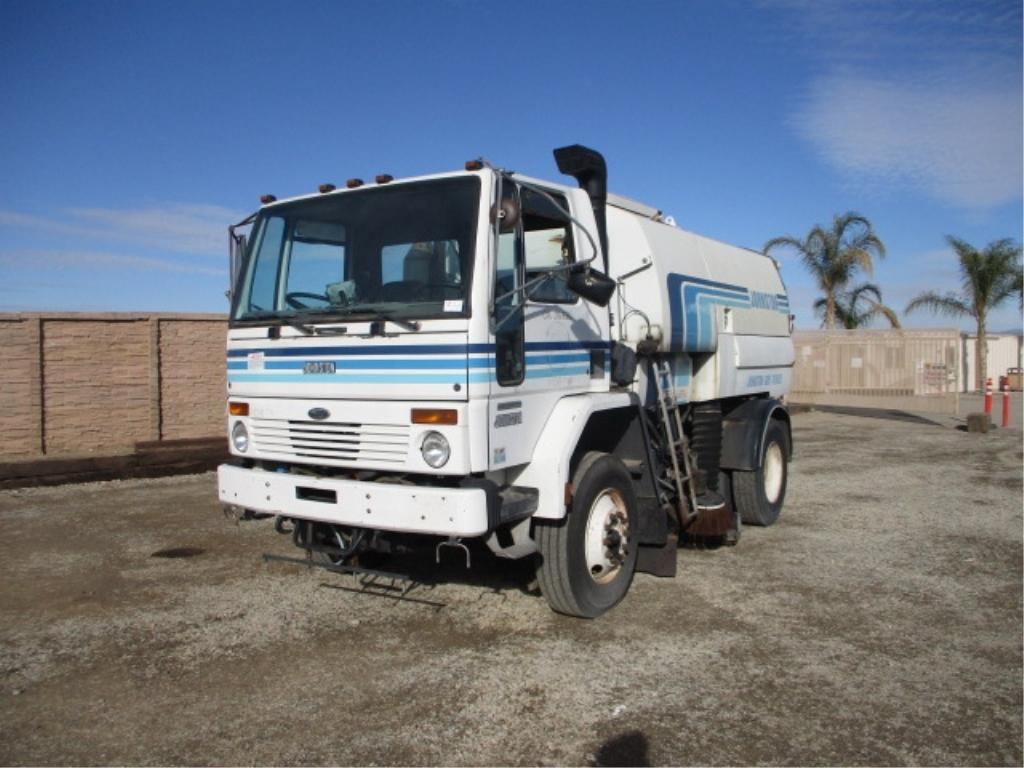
(759, 494)
(587, 558)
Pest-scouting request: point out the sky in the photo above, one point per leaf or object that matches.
(134, 133)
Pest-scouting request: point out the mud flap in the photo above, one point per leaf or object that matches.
(659, 560)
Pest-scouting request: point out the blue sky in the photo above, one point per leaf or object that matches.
(135, 132)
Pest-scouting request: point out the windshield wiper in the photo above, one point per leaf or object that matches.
(409, 325)
(379, 314)
(331, 316)
(304, 328)
(314, 330)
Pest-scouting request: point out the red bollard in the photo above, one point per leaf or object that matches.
(1006, 406)
(988, 395)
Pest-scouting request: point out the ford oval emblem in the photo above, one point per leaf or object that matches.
(319, 414)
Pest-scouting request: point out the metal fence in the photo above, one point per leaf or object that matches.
(897, 370)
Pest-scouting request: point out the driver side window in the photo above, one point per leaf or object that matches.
(547, 239)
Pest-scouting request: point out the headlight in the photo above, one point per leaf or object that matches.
(240, 437)
(435, 449)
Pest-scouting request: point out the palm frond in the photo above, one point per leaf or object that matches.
(849, 220)
(863, 290)
(787, 241)
(949, 304)
(877, 308)
(857, 257)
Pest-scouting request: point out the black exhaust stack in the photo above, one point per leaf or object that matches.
(588, 168)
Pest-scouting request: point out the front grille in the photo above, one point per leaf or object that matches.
(333, 442)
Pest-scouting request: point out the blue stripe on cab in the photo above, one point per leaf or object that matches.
(364, 365)
(536, 373)
(341, 378)
(411, 349)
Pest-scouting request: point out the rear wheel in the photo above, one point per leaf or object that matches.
(587, 559)
(759, 494)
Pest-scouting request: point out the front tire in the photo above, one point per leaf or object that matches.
(587, 559)
(759, 494)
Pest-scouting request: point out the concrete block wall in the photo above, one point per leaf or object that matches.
(73, 383)
(20, 403)
(192, 385)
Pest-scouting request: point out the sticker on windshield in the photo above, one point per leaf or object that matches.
(453, 305)
(255, 361)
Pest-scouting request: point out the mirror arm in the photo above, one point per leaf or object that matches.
(503, 174)
(234, 241)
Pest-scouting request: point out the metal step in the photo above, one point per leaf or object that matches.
(517, 502)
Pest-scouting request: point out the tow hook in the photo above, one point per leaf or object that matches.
(455, 543)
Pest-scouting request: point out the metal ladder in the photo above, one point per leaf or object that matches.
(675, 437)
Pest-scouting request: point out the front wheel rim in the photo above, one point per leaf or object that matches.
(606, 542)
(774, 472)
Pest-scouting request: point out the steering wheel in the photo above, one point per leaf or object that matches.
(292, 299)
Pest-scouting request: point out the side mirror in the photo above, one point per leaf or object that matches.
(508, 213)
(237, 253)
(548, 291)
(594, 286)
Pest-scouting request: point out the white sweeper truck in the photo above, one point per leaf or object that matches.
(554, 370)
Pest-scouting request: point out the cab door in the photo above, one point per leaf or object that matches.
(549, 343)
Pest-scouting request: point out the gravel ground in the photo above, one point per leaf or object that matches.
(879, 622)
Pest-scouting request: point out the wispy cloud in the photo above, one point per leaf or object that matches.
(926, 95)
(47, 259)
(959, 143)
(179, 227)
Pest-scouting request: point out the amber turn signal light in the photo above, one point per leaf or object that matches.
(238, 409)
(447, 416)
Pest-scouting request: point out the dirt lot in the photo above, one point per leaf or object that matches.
(879, 622)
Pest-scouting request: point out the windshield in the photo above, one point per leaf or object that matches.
(404, 251)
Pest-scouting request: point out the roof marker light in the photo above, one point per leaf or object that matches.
(325, 188)
(267, 199)
(353, 183)
(474, 165)
(384, 178)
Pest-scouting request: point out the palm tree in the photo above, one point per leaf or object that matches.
(988, 278)
(833, 255)
(851, 315)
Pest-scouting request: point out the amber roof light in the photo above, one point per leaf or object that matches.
(353, 183)
(267, 199)
(325, 188)
(384, 178)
